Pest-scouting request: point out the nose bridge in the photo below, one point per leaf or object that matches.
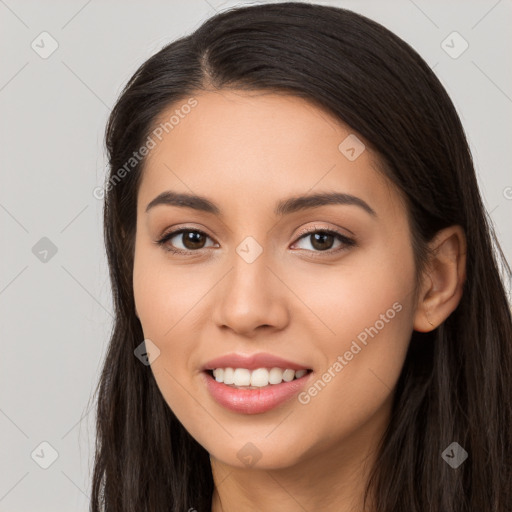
(251, 294)
(250, 273)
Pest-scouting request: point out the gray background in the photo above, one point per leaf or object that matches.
(55, 309)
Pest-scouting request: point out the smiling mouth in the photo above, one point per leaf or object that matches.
(264, 380)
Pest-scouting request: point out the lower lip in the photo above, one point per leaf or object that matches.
(254, 401)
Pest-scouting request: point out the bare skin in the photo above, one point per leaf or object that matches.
(298, 299)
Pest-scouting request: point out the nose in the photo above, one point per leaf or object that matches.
(251, 298)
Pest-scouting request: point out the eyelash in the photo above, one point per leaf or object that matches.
(346, 242)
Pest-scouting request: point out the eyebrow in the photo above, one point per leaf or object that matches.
(283, 207)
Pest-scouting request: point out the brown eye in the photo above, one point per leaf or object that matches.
(192, 240)
(322, 240)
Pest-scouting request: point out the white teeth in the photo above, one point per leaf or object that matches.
(242, 377)
(219, 374)
(259, 378)
(288, 375)
(229, 376)
(275, 376)
(300, 373)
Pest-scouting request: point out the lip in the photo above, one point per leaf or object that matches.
(253, 401)
(252, 362)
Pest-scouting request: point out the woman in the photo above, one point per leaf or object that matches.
(309, 313)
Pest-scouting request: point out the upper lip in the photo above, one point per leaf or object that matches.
(252, 362)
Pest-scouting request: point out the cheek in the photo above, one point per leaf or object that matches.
(361, 370)
(347, 299)
(366, 321)
(163, 292)
(368, 308)
(166, 298)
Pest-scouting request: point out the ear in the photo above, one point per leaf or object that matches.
(443, 280)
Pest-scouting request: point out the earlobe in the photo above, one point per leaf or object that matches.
(443, 282)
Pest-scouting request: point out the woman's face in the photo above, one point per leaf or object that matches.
(255, 283)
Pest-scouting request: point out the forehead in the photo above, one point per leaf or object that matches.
(258, 147)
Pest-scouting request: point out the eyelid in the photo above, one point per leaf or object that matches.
(346, 240)
(316, 228)
(174, 230)
(177, 230)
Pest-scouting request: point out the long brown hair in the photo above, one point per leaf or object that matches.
(456, 383)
